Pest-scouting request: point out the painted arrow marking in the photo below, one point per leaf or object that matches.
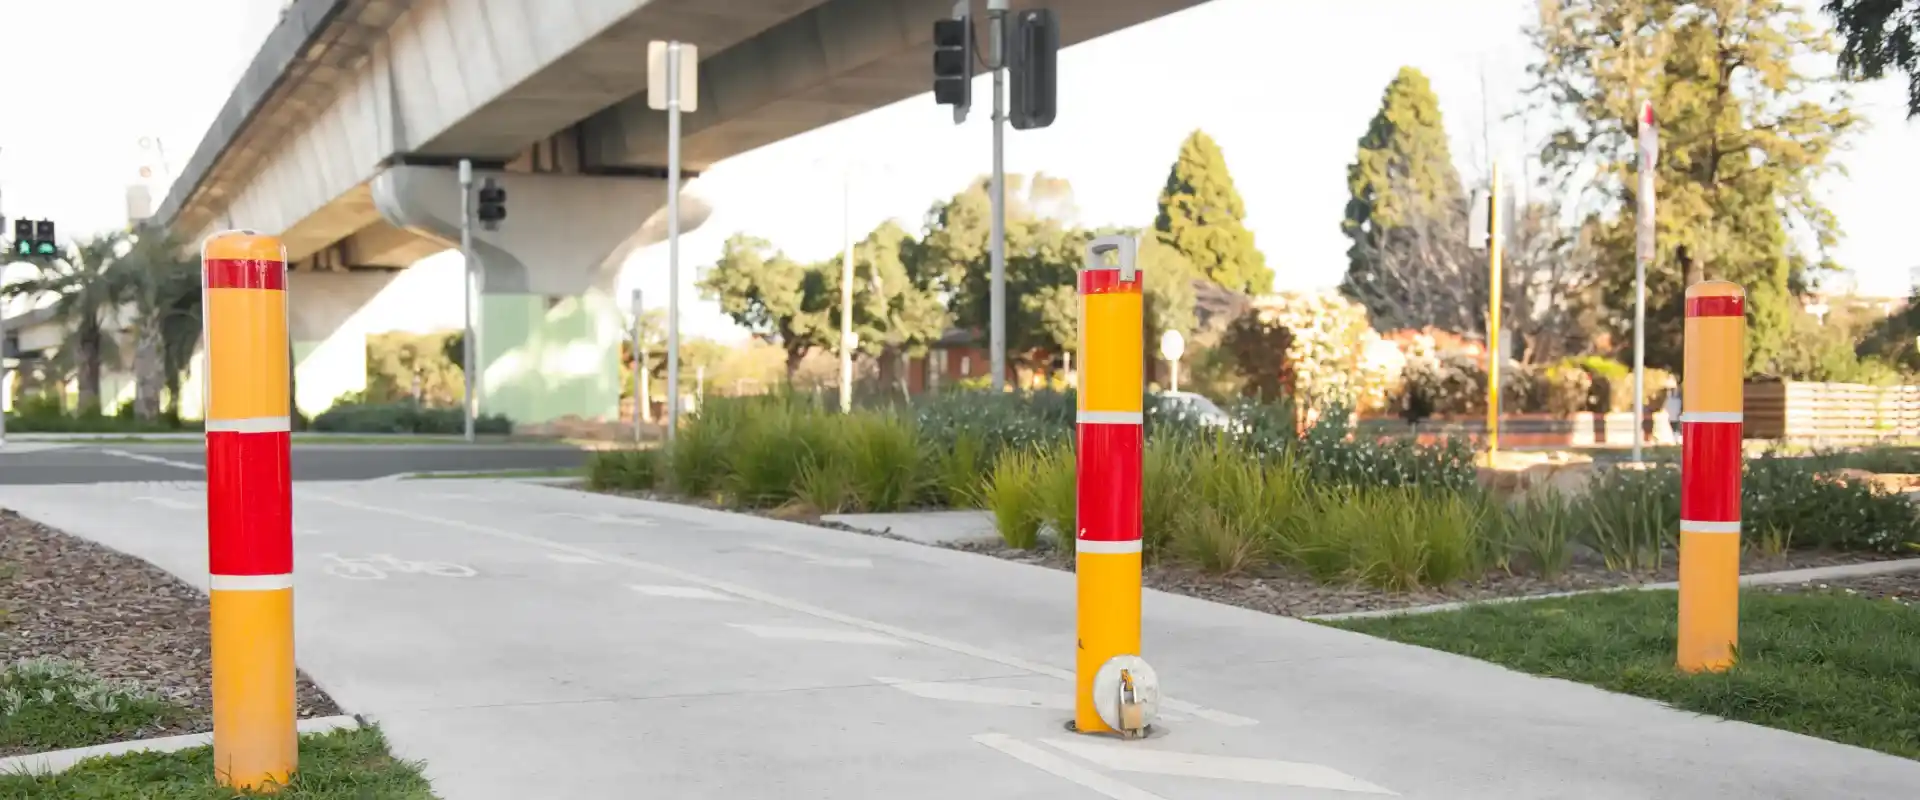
(681, 593)
(1036, 757)
(1225, 768)
(612, 519)
(815, 558)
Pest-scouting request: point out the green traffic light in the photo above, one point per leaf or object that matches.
(25, 248)
(46, 248)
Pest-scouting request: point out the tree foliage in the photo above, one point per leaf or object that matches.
(771, 295)
(1405, 218)
(1881, 36)
(1044, 254)
(1746, 129)
(1202, 216)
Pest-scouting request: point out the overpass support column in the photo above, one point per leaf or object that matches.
(549, 324)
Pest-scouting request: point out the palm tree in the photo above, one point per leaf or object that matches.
(162, 284)
(88, 294)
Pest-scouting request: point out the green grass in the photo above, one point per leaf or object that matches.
(53, 704)
(1825, 665)
(341, 765)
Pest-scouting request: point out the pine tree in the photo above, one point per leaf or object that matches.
(1201, 215)
(1746, 130)
(1403, 182)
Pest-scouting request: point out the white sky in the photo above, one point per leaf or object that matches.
(1286, 89)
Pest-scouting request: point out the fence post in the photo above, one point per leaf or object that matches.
(1111, 443)
(1710, 464)
(249, 510)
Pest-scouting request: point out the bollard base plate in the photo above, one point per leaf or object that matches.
(1153, 731)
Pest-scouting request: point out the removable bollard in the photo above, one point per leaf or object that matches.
(1109, 447)
(249, 510)
(1710, 464)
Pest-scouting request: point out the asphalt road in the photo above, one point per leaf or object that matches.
(33, 463)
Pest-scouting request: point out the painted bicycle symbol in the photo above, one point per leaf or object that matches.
(376, 567)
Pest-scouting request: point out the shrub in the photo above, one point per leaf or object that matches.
(631, 469)
(1630, 516)
(1811, 508)
(697, 458)
(1166, 472)
(1540, 528)
(825, 486)
(1333, 455)
(1011, 494)
(957, 472)
(1057, 491)
(404, 418)
(1237, 508)
(997, 421)
(885, 461)
(769, 452)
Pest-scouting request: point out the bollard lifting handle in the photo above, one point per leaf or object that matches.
(1124, 248)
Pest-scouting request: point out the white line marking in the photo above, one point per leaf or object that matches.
(969, 692)
(566, 558)
(1109, 417)
(168, 502)
(612, 519)
(165, 462)
(250, 583)
(1225, 768)
(1106, 548)
(777, 601)
(815, 558)
(249, 425)
(1697, 526)
(681, 592)
(1711, 416)
(834, 635)
(1063, 768)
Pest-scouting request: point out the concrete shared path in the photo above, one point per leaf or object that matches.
(530, 641)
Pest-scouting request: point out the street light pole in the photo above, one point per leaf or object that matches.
(846, 292)
(673, 239)
(639, 371)
(997, 292)
(468, 364)
(1644, 233)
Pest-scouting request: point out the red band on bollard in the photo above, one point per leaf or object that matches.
(1710, 458)
(1716, 306)
(1107, 281)
(1108, 505)
(245, 273)
(249, 504)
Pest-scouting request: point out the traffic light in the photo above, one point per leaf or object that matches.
(23, 237)
(43, 238)
(953, 64)
(493, 205)
(1031, 57)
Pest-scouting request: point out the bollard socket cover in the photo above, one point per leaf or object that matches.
(1126, 695)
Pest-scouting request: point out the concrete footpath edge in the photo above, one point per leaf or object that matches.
(62, 760)
(1757, 579)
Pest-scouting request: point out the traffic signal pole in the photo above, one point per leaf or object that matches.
(997, 290)
(468, 364)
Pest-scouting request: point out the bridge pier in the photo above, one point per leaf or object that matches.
(550, 328)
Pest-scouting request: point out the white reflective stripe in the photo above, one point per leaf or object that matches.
(1697, 526)
(1710, 416)
(1110, 417)
(252, 583)
(249, 425)
(1091, 546)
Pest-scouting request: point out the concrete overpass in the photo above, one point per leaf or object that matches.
(342, 134)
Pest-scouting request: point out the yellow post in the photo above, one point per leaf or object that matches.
(1109, 450)
(249, 510)
(1493, 318)
(1711, 425)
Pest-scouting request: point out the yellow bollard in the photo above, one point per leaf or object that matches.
(249, 510)
(1710, 462)
(1109, 448)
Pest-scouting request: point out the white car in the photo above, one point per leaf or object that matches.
(1197, 406)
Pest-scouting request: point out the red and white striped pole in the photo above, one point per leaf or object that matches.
(249, 510)
(1710, 463)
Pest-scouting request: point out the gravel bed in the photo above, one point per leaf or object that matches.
(1899, 587)
(118, 615)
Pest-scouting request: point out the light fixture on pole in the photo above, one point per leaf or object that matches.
(1172, 347)
(673, 85)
